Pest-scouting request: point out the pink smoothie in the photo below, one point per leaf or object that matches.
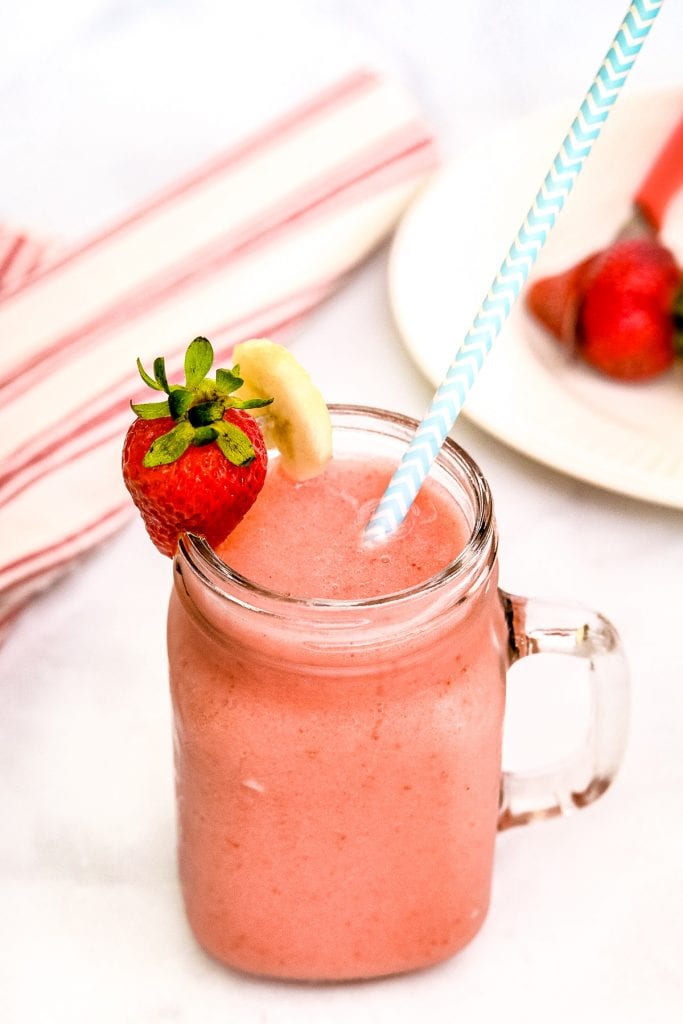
(306, 539)
(337, 798)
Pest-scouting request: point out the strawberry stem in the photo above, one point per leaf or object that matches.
(206, 413)
(197, 408)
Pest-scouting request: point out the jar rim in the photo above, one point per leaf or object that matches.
(479, 551)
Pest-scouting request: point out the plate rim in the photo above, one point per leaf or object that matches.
(657, 489)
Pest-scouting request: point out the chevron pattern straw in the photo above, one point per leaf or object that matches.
(514, 271)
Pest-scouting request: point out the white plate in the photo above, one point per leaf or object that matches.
(624, 437)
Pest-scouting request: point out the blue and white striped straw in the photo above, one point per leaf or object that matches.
(514, 271)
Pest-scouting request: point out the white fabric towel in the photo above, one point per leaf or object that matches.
(244, 247)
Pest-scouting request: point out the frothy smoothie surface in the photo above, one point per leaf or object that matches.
(306, 539)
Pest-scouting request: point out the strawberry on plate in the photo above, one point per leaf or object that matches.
(555, 300)
(619, 309)
(196, 461)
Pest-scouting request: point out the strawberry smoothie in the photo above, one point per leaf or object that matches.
(338, 720)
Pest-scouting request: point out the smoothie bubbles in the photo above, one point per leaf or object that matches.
(338, 705)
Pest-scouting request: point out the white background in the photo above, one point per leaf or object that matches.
(101, 103)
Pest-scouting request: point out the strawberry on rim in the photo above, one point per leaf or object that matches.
(195, 461)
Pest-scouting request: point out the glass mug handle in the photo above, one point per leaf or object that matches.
(577, 782)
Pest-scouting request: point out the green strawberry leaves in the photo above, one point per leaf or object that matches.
(198, 360)
(151, 410)
(160, 373)
(228, 381)
(197, 408)
(234, 443)
(205, 413)
(204, 435)
(170, 446)
(179, 402)
(150, 381)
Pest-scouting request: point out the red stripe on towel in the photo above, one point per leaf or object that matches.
(29, 566)
(339, 92)
(20, 258)
(408, 151)
(271, 318)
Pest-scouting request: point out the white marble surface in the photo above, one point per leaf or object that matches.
(99, 103)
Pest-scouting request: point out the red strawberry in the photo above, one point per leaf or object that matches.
(617, 308)
(626, 323)
(196, 461)
(555, 300)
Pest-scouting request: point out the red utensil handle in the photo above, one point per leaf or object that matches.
(663, 179)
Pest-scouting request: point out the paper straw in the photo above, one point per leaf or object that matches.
(514, 271)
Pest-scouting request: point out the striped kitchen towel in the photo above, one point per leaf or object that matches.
(244, 247)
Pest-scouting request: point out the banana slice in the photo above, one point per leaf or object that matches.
(297, 422)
